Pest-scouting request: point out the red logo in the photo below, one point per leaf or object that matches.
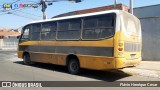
(20, 5)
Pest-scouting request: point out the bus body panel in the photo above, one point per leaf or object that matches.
(128, 46)
(131, 36)
(103, 54)
(122, 62)
(97, 62)
(29, 46)
(53, 56)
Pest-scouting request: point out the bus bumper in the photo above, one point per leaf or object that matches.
(20, 54)
(122, 62)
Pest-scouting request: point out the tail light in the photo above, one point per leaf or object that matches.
(120, 49)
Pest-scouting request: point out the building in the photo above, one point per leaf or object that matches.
(110, 7)
(8, 39)
(150, 21)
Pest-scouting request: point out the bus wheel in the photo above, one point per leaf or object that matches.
(73, 66)
(26, 59)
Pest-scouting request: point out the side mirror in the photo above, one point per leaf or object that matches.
(18, 37)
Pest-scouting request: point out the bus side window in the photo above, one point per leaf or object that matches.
(89, 26)
(35, 32)
(106, 24)
(69, 29)
(25, 34)
(48, 31)
(98, 27)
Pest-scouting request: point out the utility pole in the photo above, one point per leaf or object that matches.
(115, 4)
(131, 6)
(44, 6)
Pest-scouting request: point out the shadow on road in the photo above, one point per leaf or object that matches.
(109, 76)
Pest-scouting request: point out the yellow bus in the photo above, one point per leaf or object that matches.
(100, 41)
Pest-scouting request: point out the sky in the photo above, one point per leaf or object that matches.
(19, 17)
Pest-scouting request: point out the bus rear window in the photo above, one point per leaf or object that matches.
(132, 25)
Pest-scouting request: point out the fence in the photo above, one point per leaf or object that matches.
(9, 43)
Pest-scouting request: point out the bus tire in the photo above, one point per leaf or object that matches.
(26, 59)
(73, 66)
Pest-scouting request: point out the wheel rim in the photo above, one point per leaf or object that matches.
(73, 66)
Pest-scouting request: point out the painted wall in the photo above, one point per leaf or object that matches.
(151, 38)
(148, 11)
(150, 21)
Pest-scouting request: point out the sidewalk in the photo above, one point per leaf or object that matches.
(146, 68)
(149, 65)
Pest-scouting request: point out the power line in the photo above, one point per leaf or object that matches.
(9, 11)
(55, 0)
(11, 2)
(29, 14)
(15, 11)
(30, 1)
(24, 16)
(21, 13)
(15, 1)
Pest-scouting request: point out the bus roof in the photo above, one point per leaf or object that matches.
(77, 16)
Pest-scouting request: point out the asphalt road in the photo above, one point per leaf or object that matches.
(13, 69)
